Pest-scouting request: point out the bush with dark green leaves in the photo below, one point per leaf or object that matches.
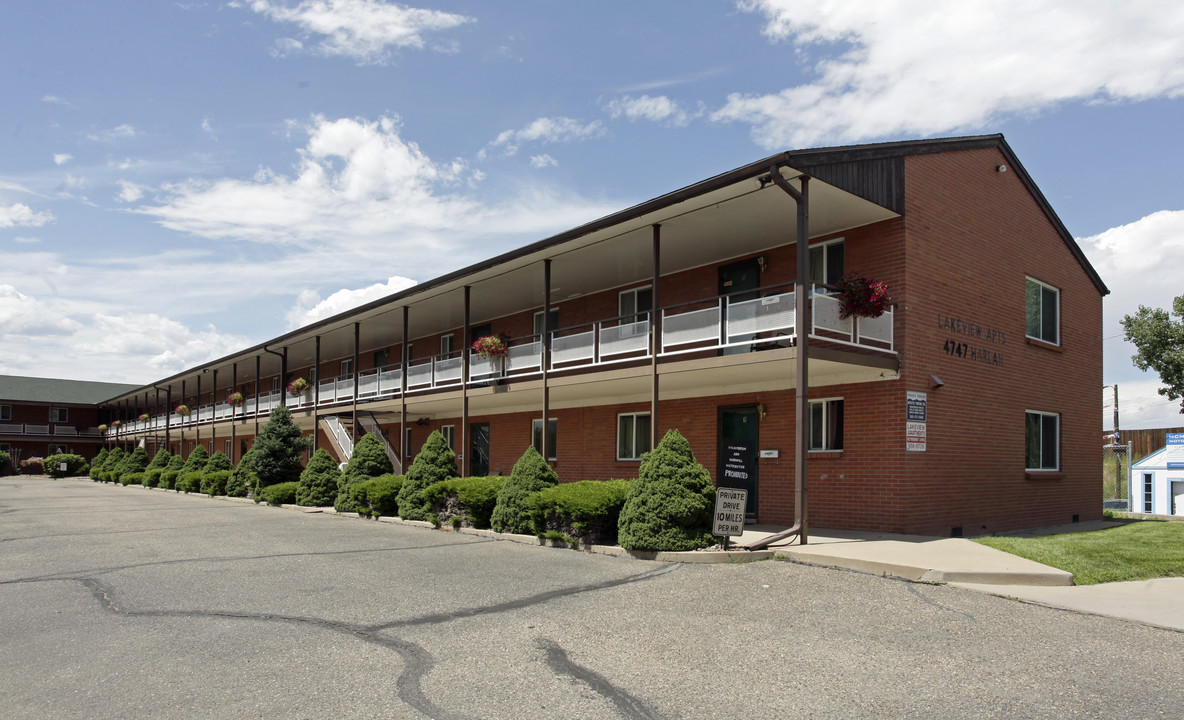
(586, 511)
(435, 463)
(5, 461)
(132, 478)
(281, 493)
(377, 496)
(368, 460)
(196, 462)
(188, 482)
(242, 479)
(214, 483)
(114, 458)
(96, 465)
(670, 504)
(160, 460)
(471, 500)
(530, 475)
(134, 462)
(218, 462)
(74, 465)
(275, 457)
(152, 477)
(168, 478)
(318, 482)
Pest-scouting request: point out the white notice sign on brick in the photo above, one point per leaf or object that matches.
(914, 433)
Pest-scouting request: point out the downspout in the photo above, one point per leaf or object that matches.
(802, 332)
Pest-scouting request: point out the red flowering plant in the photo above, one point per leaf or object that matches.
(861, 297)
(298, 386)
(490, 346)
(235, 398)
(182, 410)
(116, 423)
(144, 417)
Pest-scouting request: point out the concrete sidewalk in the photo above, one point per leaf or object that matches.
(966, 564)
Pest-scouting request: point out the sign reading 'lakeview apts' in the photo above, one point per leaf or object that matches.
(729, 512)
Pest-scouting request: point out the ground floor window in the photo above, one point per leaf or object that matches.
(1043, 431)
(826, 424)
(6, 448)
(449, 433)
(633, 435)
(536, 436)
(1148, 490)
(55, 448)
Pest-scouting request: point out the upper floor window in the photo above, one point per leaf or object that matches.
(826, 424)
(826, 262)
(58, 415)
(446, 345)
(1042, 440)
(633, 435)
(634, 305)
(275, 384)
(538, 323)
(536, 436)
(5, 412)
(347, 367)
(380, 360)
(1043, 309)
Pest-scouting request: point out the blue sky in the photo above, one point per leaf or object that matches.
(180, 180)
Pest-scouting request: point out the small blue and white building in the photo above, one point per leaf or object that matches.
(1157, 481)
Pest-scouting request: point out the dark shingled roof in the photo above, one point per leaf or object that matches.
(15, 388)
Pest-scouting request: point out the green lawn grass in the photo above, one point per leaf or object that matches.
(1134, 551)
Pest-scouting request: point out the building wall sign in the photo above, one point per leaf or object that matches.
(915, 434)
(916, 404)
(976, 333)
(1174, 454)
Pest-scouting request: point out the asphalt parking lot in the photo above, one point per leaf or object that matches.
(130, 603)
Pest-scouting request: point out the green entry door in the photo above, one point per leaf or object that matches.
(738, 441)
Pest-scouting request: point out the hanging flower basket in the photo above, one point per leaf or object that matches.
(103, 428)
(861, 297)
(235, 399)
(298, 386)
(116, 423)
(145, 417)
(182, 410)
(490, 346)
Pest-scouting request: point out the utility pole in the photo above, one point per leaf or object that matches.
(1117, 457)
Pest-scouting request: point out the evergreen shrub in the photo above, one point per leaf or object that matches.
(74, 465)
(168, 478)
(242, 479)
(5, 460)
(214, 483)
(587, 511)
(152, 477)
(114, 458)
(134, 462)
(377, 496)
(131, 478)
(275, 457)
(318, 482)
(196, 462)
(188, 482)
(467, 502)
(435, 463)
(368, 460)
(160, 460)
(218, 462)
(670, 504)
(96, 465)
(530, 475)
(281, 493)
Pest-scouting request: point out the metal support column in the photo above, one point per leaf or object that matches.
(466, 462)
(546, 360)
(354, 371)
(655, 334)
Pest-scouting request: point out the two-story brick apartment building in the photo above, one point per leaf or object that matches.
(971, 406)
(40, 416)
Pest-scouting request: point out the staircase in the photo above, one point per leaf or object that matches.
(340, 432)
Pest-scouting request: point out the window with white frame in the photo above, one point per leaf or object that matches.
(380, 359)
(634, 305)
(826, 262)
(826, 424)
(275, 384)
(58, 415)
(445, 345)
(538, 323)
(1042, 304)
(633, 435)
(536, 436)
(5, 413)
(347, 367)
(1148, 490)
(449, 433)
(1042, 440)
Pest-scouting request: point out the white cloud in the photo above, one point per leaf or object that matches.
(908, 68)
(364, 30)
(55, 100)
(542, 161)
(655, 109)
(21, 314)
(208, 128)
(286, 47)
(1136, 262)
(129, 191)
(119, 132)
(62, 158)
(547, 131)
(27, 240)
(21, 215)
(310, 307)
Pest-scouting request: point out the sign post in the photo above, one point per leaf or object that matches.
(728, 520)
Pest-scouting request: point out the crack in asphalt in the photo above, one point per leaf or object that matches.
(913, 589)
(627, 705)
(417, 662)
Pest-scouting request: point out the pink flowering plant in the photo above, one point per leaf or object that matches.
(182, 410)
(298, 386)
(490, 346)
(862, 297)
(235, 398)
(144, 417)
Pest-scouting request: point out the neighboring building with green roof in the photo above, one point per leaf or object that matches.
(40, 416)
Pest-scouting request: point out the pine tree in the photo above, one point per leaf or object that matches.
(319, 481)
(368, 460)
(669, 506)
(435, 462)
(275, 457)
(530, 475)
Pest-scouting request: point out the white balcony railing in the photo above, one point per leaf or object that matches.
(695, 327)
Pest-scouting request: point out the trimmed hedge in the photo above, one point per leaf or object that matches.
(281, 493)
(152, 477)
(669, 506)
(585, 512)
(75, 465)
(168, 478)
(214, 483)
(196, 462)
(242, 479)
(530, 475)
(96, 465)
(131, 478)
(160, 460)
(470, 499)
(435, 463)
(217, 462)
(114, 458)
(377, 496)
(188, 482)
(319, 481)
(134, 462)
